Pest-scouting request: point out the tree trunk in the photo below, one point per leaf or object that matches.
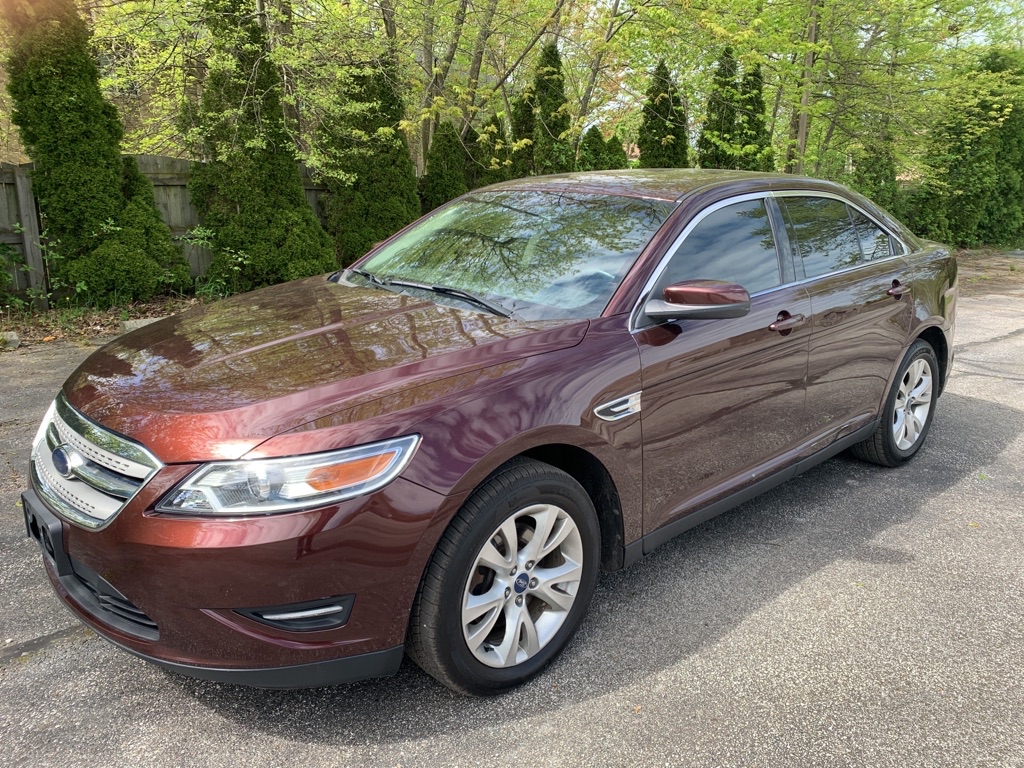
(801, 126)
(477, 60)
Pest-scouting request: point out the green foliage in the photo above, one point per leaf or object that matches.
(382, 196)
(523, 125)
(752, 137)
(715, 143)
(972, 191)
(1003, 219)
(663, 138)
(67, 128)
(248, 190)
(592, 155)
(949, 206)
(874, 174)
(473, 161)
(615, 153)
(492, 152)
(105, 236)
(446, 168)
(143, 231)
(552, 149)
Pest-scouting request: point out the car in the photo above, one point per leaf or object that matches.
(435, 451)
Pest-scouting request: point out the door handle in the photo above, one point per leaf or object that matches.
(897, 290)
(786, 323)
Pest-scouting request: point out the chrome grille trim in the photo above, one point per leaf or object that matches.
(108, 472)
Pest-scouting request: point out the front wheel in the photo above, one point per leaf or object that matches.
(908, 410)
(510, 581)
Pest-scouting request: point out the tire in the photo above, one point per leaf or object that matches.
(908, 410)
(492, 612)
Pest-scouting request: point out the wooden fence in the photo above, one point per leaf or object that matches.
(19, 227)
(20, 224)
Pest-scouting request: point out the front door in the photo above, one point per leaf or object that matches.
(723, 400)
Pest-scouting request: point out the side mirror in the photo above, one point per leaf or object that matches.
(700, 300)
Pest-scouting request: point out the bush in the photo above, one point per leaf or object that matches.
(446, 168)
(115, 273)
(663, 136)
(96, 206)
(382, 197)
(249, 191)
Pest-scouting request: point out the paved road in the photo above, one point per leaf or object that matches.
(856, 616)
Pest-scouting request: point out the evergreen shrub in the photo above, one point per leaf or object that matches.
(663, 136)
(249, 191)
(446, 168)
(382, 198)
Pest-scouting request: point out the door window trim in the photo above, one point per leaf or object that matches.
(636, 317)
(833, 196)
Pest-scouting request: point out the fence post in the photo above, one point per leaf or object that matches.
(30, 234)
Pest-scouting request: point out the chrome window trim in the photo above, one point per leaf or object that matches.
(852, 204)
(637, 313)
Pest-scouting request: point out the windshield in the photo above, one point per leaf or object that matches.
(541, 255)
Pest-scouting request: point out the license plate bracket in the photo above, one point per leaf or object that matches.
(43, 527)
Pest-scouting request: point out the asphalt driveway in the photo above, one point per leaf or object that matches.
(855, 616)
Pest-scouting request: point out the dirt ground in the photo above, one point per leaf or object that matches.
(990, 271)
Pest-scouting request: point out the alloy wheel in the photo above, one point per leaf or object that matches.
(523, 583)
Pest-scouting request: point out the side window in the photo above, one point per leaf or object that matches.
(825, 237)
(735, 244)
(874, 243)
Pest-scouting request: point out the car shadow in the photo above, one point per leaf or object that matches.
(687, 595)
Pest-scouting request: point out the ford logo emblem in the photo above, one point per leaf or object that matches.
(65, 459)
(520, 583)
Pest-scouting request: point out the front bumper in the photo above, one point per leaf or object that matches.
(172, 591)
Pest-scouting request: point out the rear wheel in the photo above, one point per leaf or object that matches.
(510, 581)
(908, 411)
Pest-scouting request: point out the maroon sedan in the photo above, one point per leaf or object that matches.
(436, 450)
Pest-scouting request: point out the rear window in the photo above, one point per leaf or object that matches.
(825, 237)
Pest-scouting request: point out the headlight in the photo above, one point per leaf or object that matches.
(44, 424)
(266, 486)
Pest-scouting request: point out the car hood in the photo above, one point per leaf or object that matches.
(214, 382)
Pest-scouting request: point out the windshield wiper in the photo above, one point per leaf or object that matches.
(368, 275)
(447, 290)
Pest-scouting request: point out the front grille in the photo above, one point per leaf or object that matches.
(102, 600)
(95, 472)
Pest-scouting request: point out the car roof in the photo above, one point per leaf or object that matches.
(668, 184)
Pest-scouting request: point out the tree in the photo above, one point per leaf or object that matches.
(874, 173)
(715, 143)
(491, 152)
(523, 124)
(99, 212)
(593, 156)
(752, 135)
(552, 150)
(1003, 219)
(963, 166)
(663, 138)
(446, 168)
(615, 153)
(246, 186)
(382, 197)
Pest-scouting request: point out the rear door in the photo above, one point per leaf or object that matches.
(861, 308)
(723, 400)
